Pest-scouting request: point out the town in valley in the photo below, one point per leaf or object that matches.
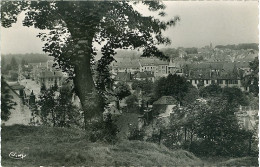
(130, 98)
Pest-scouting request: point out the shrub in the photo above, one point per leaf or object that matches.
(135, 134)
(105, 130)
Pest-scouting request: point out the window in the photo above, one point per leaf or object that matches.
(220, 81)
(195, 81)
(207, 81)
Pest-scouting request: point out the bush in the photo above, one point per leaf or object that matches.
(104, 131)
(135, 134)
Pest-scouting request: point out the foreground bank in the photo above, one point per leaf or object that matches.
(43, 146)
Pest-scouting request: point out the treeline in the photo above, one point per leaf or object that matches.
(244, 46)
(175, 52)
(29, 58)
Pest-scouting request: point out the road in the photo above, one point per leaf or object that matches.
(29, 86)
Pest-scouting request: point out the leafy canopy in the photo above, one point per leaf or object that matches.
(7, 102)
(115, 24)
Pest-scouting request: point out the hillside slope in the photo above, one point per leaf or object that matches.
(59, 146)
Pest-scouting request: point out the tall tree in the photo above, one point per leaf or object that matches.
(46, 105)
(14, 64)
(75, 26)
(254, 79)
(173, 85)
(67, 114)
(122, 90)
(6, 101)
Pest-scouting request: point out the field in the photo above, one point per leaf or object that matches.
(45, 146)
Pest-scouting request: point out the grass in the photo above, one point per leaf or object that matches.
(59, 146)
(244, 161)
(69, 147)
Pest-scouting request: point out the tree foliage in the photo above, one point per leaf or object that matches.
(233, 95)
(56, 108)
(46, 105)
(132, 102)
(239, 46)
(143, 85)
(14, 64)
(208, 128)
(7, 103)
(254, 79)
(76, 25)
(173, 85)
(122, 90)
(211, 90)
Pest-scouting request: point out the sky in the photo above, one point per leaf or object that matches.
(202, 23)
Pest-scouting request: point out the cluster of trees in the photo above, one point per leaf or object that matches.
(244, 46)
(206, 122)
(174, 53)
(29, 58)
(177, 87)
(56, 108)
(10, 68)
(209, 128)
(148, 92)
(192, 50)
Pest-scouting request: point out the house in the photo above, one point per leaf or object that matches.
(225, 74)
(48, 78)
(162, 68)
(157, 66)
(147, 64)
(125, 65)
(140, 76)
(177, 66)
(163, 106)
(126, 77)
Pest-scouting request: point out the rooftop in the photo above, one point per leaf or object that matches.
(123, 76)
(144, 75)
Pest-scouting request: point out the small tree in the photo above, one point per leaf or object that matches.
(173, 85)
(122, 90)
(131, 102)
(235, 96)
(67, 114)
(6, 101)
(143, 85)
(46, 105)
(211, 90)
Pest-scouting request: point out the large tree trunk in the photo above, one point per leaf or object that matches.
(84, 86)
(83, 79)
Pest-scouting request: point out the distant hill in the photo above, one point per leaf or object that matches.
(29, 58)
(244, 46)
